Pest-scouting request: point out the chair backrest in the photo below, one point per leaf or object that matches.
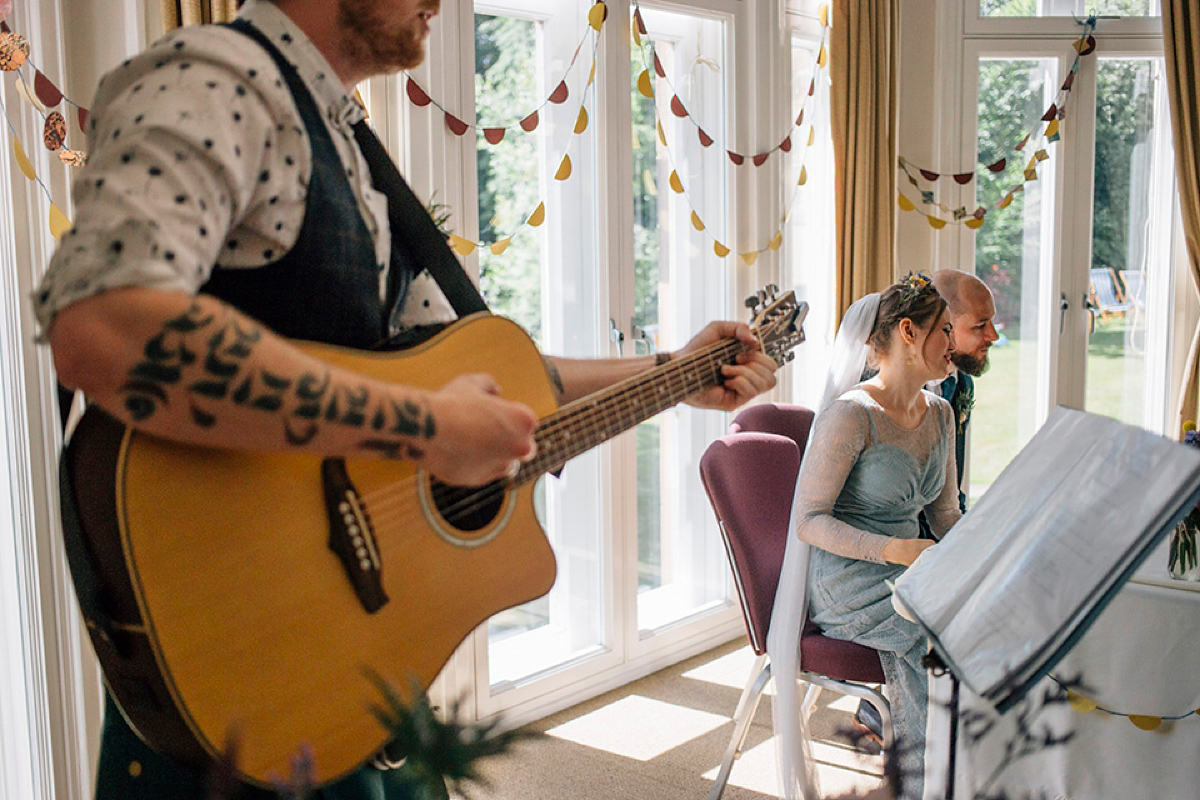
(750, 478)
(1135, 286)
(1104, 285)
(783, 419)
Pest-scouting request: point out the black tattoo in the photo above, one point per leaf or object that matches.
(206, 353)
(555, 378)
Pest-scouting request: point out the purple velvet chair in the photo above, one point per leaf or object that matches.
(750, 476)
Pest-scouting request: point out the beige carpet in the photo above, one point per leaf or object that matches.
(663, 737)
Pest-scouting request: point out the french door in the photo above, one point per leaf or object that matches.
(581, 235)
(1081, 256)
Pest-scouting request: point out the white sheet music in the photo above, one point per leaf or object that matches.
(1032, 562)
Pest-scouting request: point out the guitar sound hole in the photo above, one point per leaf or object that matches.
(468, 509)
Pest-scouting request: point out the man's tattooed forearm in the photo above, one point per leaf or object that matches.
(555, 377)
(207, 354)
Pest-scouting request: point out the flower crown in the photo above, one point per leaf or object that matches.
(913, 285)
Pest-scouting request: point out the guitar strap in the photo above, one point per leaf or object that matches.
(411, 226)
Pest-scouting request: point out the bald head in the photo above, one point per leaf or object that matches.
(972, 310)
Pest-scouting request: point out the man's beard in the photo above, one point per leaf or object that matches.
(970, 364)
(373, 43)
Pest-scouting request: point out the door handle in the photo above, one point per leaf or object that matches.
(616, 335)
(1092, 308)
(1063, 305)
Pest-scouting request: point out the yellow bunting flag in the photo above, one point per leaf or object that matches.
(499, 247)
(1052, 128)
(822, 57)
(597, 15)
(812, 135)
(23, 160)
(59, 224)
(662, 135)
(697, 223)
(1041, 155)
(749, 258)
(564, 169)
(803, 176)
(538, 216)
(592, 74)
(23, 90)
(776, 241)
(720, 249)
(823, 14)
(1144, 722)
(974, 223)
(935, 223)
(1031, 174)
(464, 247)
(1007, 199)
(581, 122)
(674, 182)
(904, 203)
(645, 85)
(1080, 703)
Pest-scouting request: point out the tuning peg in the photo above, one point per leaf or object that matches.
(772, 291)
(752, 304)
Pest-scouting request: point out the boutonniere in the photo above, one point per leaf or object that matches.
(964, 401)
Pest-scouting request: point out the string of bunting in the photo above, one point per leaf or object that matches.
(1052, 132)
(45, 95)
(1145, 722)
(646, 85)
(464, 246)
(494, 134)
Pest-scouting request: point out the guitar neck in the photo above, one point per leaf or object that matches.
(579, 426)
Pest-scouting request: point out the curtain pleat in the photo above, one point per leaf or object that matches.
(1181, 43)
(864, 43)
(176, 13)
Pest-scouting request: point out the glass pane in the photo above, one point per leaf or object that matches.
(1012, 255)
(1119, 364)
(809, 235)
(679, 284)
(545, 278)
(1066, 8)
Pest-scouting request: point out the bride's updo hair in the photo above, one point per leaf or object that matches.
(913, 298)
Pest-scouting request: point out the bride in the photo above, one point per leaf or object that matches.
(880, 453)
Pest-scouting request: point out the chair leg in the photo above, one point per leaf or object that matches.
(742, 717)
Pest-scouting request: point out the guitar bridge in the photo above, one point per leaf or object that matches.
(351, 536)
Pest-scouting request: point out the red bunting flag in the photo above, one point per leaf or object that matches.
(416, 94)
(999, 165)
(736, 158)
(786, 145)
(760, 159)
(82, 116)
(47, 93)
(705, 139)
(677, 107)
(658, 67)
(456, 125)
(560, 94)
(494, 135)
(1050, 112)
(530, 122)
(930, 175)
(963, 178)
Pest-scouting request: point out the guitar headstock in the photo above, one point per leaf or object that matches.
(777, 322)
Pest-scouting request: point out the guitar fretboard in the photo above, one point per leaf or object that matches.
(579, 426)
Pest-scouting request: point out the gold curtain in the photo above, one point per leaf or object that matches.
(863, 47)
(176, 13)
(1181, 47)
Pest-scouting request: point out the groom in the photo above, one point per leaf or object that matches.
(972, 313)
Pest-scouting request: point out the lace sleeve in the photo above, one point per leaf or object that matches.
(944, 511)
(838, 437)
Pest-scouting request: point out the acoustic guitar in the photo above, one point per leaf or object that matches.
(256, 594)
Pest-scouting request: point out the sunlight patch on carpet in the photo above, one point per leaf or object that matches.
(731, 669)
(638, 727)
(839, 770)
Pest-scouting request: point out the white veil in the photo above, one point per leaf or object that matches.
(797, 770)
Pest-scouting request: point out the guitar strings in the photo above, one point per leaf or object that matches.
(599, 415)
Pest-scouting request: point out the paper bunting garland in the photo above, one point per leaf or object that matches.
(645, 84)
(494, 134)
(1052, 132)
(42, 96)
(1145, 722)
(676, 106)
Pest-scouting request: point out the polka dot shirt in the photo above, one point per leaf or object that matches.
(198, 156)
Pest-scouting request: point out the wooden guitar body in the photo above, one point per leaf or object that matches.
(224, 610)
